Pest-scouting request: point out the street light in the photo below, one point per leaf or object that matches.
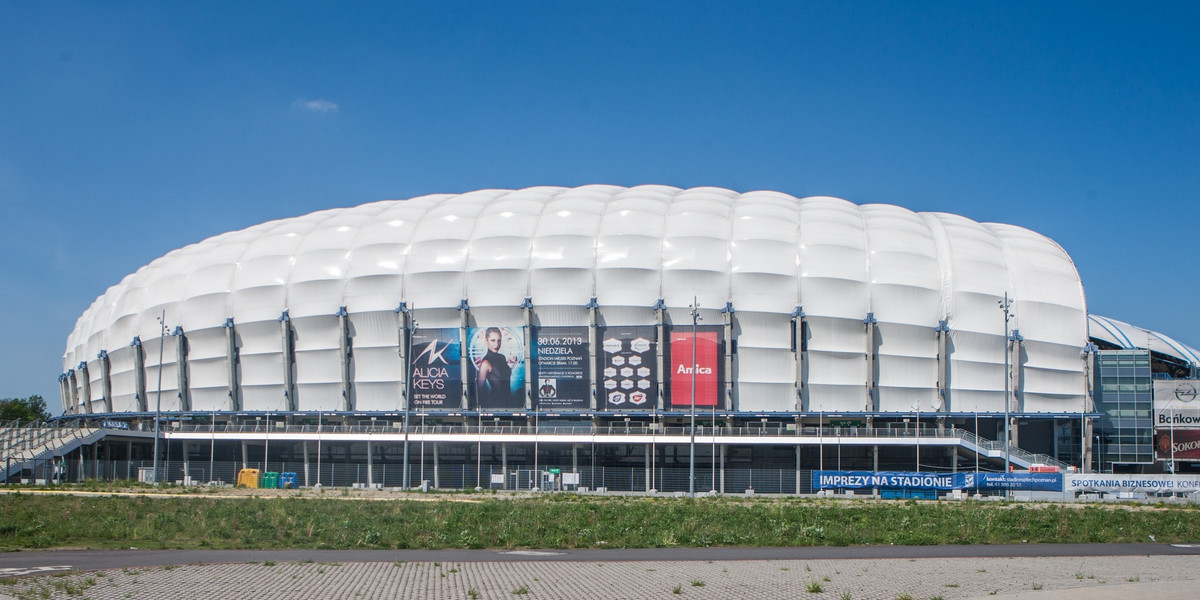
(1005, 305)
(695, 307)
(162, 337)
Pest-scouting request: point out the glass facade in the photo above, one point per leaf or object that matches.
(1125, 395)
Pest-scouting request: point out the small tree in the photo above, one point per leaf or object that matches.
(26, 410)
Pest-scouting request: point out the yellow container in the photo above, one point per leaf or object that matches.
(247, 478)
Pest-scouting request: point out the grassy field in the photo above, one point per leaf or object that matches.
(328, 521)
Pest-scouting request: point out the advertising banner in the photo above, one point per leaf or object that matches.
(628, 368)
(853, 480)
(1175, 404)
(706, 369)
(1028, 482)
(560, 368)
(1178, 444)
(496, 362)
(856, 480)
(435, 369)
(1104, 482)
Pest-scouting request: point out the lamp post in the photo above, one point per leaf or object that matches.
(162, 337)
(410, 325)
(692, 446)
(918, 436)
(1006, 305)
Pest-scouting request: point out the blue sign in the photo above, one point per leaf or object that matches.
(435, 369)
(1029, 482)
(857, 480)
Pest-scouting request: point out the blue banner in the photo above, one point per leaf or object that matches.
(435, 370)
(857, 480)
(1028, 482)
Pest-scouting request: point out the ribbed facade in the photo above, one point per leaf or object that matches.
(826, 305)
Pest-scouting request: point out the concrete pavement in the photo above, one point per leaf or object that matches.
(1038, 578)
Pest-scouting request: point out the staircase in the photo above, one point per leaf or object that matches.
(23, 446)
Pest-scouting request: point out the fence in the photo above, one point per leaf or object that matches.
(445, 476)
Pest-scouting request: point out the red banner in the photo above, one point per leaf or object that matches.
(708, 359)
(1186, 442)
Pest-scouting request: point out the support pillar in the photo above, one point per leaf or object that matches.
(504, 462)
(660, 315)
(464, 315)
(727, 314)
(436, 481)
(231, 360)
(527, 307)
(593, 348)
(345, 353)
(181, 369)
(872, 403)
(646, 464)
(86, 382)
(139, 375)
(370, 465)
(105, 380)
(304, 450)
(289, 356)
(797, 469)
(799, 350)
(722, 468)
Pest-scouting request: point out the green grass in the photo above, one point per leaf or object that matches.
(561, 521)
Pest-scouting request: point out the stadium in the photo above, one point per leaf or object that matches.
(644, 338)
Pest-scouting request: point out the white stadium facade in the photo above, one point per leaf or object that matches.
(481, 338)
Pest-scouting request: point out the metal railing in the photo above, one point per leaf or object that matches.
(599, 430)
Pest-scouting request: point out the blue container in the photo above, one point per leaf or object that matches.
(287, 481)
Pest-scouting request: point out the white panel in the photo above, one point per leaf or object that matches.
(123, 379)
(96, 385)
(318, 363)
(764, 253)
(167, 377)
(261, 366)
(208, 369)
(629, 250)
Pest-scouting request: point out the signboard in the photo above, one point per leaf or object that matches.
(1029, 482)
(560, 368)
(628, 368)
(850, 480)
(1103, 482)
(496, 363)
(705, 371)
(1176, 404)
(856, 480)
(436, 372)
(1177, 444)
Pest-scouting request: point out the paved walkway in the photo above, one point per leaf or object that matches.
(1042, 578)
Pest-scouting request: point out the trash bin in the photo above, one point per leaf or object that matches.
(287, 481)
(247, 478)
(270, 479)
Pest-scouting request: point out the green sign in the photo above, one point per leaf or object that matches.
(555, 471)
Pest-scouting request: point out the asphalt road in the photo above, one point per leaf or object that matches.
(15, 563)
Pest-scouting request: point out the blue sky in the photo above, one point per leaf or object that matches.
(131, 129)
